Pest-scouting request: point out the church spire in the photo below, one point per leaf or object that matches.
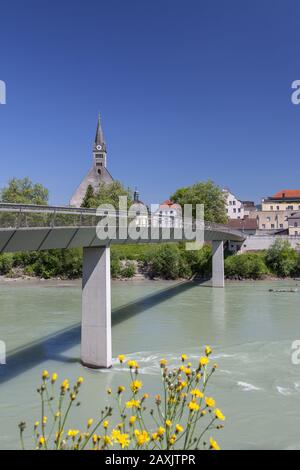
(99, 139)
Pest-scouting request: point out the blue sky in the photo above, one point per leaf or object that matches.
(188, 90)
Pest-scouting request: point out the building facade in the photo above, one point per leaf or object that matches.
(234, 207)
(284, 200)
(98, 172)
(294, 224)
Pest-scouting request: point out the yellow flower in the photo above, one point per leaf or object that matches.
(120, 425)
(79, 380)
(41, 441)
(132, 364)
(161, 431)
(136, 386)
(178, 428)
(197, 393)
(210, 401)
(105, 424)
(45, 374)
(123, 440)
(183, 357)
(121, 389)
(163, 362)
(219, 414)
(213, 444)
(45, 420)
(107, 440)
(65, 385)
(73, 396)
(54, 377)
(141, 437)
(95, 438)
(187, 371)
(198, 377)
(203, 361)
(121, 358)
(109, 391)
(115, 434)
(193, 406)
(181, 368)
(36, 424)
(132, 420)
(133, 404)
(168, 423)
(154, 436)
(73, 433)
(208, 350)
(57, 414)
(90, 422)
(172, 439)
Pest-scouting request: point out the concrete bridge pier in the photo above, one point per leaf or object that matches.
(96, 308)
(217, 263)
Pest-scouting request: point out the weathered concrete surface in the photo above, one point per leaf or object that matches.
(96, 308)
(217, 264)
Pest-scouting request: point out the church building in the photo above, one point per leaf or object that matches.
(98, 173)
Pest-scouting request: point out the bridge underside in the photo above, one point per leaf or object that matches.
(36, 239)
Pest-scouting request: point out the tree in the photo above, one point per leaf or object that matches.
(206, 193)
(89, 196)
(282, 259)
(106, 194)
(24, 191)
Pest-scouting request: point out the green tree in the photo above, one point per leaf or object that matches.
(106, 194)
(24, 191)
(206, 193)
(282, 259)
(89, 196)
(245, 266)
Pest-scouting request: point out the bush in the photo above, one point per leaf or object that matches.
(6, 263)
(282, 259)
(128, 271)
(199, 261)
(246, 266)
(165, 261)
(115, 267)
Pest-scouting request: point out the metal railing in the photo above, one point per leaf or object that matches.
(37, 216)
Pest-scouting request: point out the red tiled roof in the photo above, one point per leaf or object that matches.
(287, 194)
(243, 224)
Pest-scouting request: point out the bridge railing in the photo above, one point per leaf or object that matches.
(18, 216)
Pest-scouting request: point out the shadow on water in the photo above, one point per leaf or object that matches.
(52, 347)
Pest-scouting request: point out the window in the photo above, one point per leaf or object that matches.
(272, 226)
(269, 219)
(263, 225)
(296, 232)
(239, 210)
(281, 225)
(234, 211)
(295, 224)
(271, 208)
(233, 202)
(277, 207)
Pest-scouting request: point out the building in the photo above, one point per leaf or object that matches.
(284, 200)
(139, 211)
(234, 207)
(248, 225)
(271, 220)
(294, 224)
(168, 214)
(98, 172)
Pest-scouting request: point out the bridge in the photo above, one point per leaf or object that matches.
(34, 228)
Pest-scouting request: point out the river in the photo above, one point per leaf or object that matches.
(249, 328)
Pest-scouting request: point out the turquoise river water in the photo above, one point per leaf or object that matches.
(250, 329)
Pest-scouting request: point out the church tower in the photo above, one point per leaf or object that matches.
(98, 173)
(99, 151)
